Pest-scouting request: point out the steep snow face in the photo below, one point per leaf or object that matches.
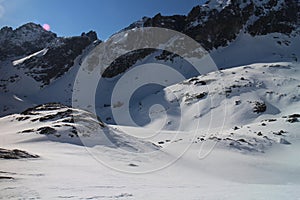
(274, 47)
(39, 53)
(254, 104)
(274, 84)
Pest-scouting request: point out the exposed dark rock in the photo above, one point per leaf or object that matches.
(46, 130)
(60, 116)
(28, 131)
(200, 83)
(259, 107)
(220, 27)
(43, 107)
(175, 22)
(124, 62)
(270, 120)
(238, 102)
(15, 154)
(22, 118)
(214, 28)
(132, 165)
(195, 96)
(25, 40)
(92, 35)
(259, 133)
(6, 177)
(56, 59)
(193, 79)
(283, 20)
(294, 116)
(201, 95)
(281, 132)
(292, 120)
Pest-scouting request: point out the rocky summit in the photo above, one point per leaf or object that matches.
(55, 55)
(217, 23)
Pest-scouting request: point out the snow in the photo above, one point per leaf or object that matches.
(250, 83)
(226, 134)
(68, 171)
(259, 49)
(221, 4)
(36, 54)
(243, 51)
(245, 166)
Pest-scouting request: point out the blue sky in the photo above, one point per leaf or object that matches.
(72, 17)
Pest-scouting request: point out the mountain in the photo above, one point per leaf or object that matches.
(40, 54)
(38, 67)
(33, 58)
(229, 133)
(248, 108)
(36, 64)
(217, 23)
(221, 26)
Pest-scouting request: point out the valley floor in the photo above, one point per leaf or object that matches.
(66, 171)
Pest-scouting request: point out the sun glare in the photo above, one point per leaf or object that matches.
(46, 27)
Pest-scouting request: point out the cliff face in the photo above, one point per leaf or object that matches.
(24, 40)
(40, 53)
(218, 23)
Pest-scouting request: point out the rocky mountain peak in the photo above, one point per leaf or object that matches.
(92, 35)
(26, 32)
(25, 40)
(40, 54)
(218, 23)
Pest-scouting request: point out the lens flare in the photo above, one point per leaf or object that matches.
(46, 27)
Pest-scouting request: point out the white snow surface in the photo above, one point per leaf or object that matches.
(208, 137)
(257, 160)
(36, 54)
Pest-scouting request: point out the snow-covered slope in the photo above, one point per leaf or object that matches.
(192, 162)
(60, 123)
(248, 107)
(66, 171)
(231, 133)
(235, 33)
(203, 169)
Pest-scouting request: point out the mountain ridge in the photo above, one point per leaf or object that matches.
(47, 64)
(231, 132)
